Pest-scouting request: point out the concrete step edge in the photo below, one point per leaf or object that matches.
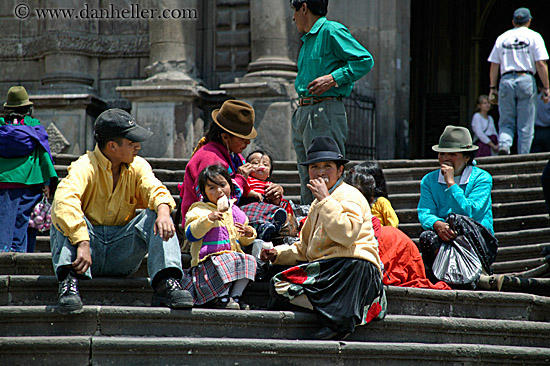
(223, 351)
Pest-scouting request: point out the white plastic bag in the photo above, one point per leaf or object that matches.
(457, 262)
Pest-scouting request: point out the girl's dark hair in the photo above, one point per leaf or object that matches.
(317, 7)
(214, 132)
(372, 167)
(209, 174)
(263, 153)
(364, 182)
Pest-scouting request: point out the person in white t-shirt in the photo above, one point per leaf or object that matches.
(485, 133)
(518, 53)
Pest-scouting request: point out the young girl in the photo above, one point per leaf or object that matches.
(216, 228)
(484, 128)
(381, 207)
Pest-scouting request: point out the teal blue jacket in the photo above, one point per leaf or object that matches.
(472, 199)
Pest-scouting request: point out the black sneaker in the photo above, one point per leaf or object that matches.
(69, 300)
(266, 230)
(279, 218)
(504, 150)
(170, 293)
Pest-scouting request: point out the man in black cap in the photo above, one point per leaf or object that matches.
(519, 53)
(95, 227)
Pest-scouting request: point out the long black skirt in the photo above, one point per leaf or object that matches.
(344, 292)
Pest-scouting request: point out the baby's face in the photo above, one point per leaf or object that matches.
(261, 164)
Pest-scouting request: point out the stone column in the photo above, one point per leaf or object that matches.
(166, 102)
(274, 40)
(67, 101)
(269, 84)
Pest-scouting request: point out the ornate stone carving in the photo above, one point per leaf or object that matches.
(58, 142)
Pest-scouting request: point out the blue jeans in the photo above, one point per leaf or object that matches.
(327, 118)
(16, 205)
(516, 105)
(119, 250)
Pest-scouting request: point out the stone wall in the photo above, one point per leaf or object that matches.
(74, 69)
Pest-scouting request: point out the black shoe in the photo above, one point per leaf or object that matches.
(225, 302)
(328, 334)
(504, 150)
(266, 231)
(279, 218)
(69, 300)
(168, 292)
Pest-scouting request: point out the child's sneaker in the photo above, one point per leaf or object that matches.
(266, 230)
(279, 218)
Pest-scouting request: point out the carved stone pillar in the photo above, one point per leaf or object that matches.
(274, 40)
(166, 102)
(269, 84)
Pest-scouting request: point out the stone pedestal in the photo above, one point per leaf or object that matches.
(69, 120)
(171, 112)
(166, 102)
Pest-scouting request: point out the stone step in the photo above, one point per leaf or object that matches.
(414, 229)
(100, 350)
(417, 173)
(521, 252)
(500, 210)
(30, 290)
(499, 182)
(114, 321)
(409, 200)
(518, 265)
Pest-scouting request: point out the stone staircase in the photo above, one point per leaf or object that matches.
(423, 327)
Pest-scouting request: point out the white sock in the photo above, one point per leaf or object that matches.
(238, 287)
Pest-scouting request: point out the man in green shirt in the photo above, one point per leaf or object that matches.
(330, 61)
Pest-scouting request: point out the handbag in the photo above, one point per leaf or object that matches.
(41, 219)
(457, 262)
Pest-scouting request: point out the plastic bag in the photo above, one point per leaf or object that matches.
(41, 219)
(457, 263)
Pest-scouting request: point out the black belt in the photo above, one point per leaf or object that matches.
(518, 72)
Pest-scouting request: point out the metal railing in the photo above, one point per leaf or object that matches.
(361, 142)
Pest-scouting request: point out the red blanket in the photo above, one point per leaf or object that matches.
(402, 260)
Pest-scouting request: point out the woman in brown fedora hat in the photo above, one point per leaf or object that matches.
(227, 137)
(458, 187)
(26, 171)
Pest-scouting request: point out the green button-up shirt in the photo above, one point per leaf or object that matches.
(329, 48)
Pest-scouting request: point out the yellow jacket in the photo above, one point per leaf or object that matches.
(214, 237)
(88, 191)
(338, 226)
(382, 209)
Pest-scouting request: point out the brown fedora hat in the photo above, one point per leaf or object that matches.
(237, 118)
(17, 97)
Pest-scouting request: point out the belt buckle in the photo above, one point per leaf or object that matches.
(307, 101)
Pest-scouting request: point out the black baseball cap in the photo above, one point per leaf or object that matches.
(116, 122)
